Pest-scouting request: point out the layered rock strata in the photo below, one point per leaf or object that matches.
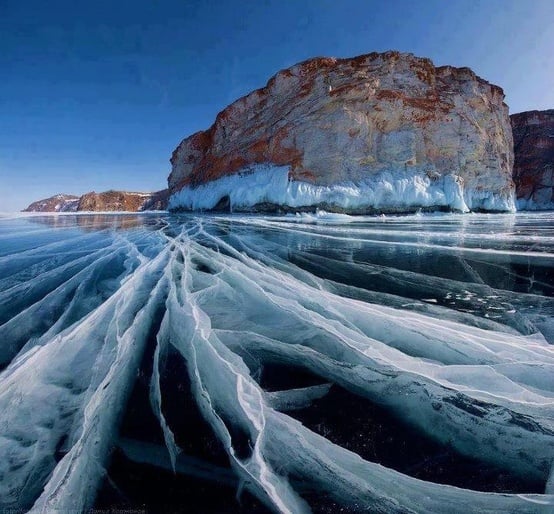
(533, 133)
(107, 201)
(380, 132)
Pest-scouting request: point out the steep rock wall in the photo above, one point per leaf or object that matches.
(533, 133)
(397, 131)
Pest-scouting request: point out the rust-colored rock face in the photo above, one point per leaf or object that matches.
(334, 121)
(534, 158)
(112, 201)
(106, 201)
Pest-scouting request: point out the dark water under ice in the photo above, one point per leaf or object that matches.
(321, 363)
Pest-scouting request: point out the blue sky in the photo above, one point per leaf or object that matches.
(95, 95)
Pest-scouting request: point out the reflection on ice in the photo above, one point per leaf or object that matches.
(221, 349)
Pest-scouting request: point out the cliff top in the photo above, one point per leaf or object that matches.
(425, 69)
(527, 114)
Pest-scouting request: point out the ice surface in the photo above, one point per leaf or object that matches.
(293, 399)
(344, 300)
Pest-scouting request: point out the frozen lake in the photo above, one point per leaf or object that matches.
(277, 364)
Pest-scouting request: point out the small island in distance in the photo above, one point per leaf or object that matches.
(107, 201)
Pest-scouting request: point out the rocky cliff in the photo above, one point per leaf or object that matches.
(115, 201)
(534, 159)
(106, 201)
(157, 201)
(379, 132)
(56, 203)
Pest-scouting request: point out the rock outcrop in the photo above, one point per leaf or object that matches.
(534, 159)
(114, 201)
(379, 132)
(157, 201)
(56, 203)
(106, 201)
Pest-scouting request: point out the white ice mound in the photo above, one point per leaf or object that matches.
(396, 191)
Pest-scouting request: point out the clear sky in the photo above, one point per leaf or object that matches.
(96, 94)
